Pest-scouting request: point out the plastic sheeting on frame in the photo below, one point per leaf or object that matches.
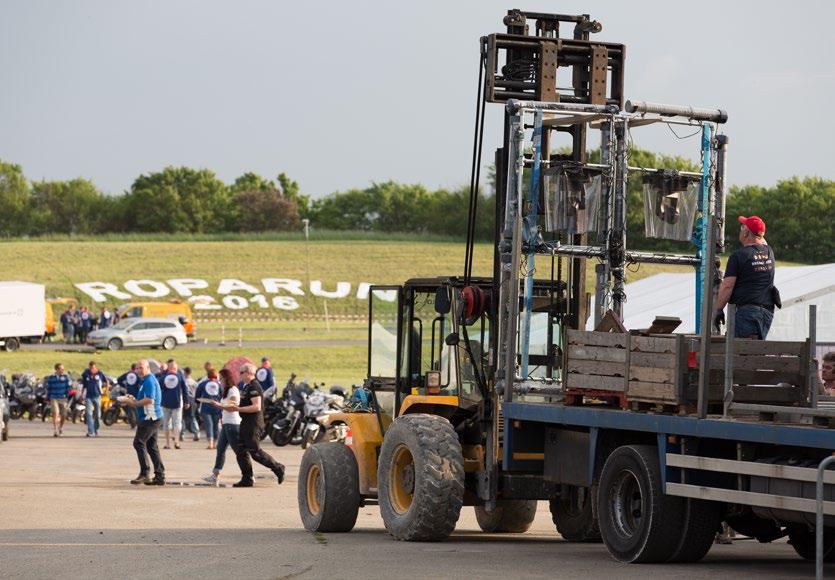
(573, 197)
(670, 205)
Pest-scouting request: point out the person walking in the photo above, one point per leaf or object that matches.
(58, 387)
(174, 398)
(230, 423)
(148, 406)
(252, 424)
(93, 382)
(749, 283)
(209, 388)
(190, 410)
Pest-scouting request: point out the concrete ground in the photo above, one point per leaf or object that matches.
(67, 511)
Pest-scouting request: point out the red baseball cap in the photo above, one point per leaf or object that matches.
(753, 223)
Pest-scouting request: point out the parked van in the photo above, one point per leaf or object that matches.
(175, 310)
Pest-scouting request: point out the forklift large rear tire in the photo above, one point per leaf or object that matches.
(328, 489)
(420, 476)
(803, 542)
(511, 516)
(702, 520)
(638, 522)
(575, 514)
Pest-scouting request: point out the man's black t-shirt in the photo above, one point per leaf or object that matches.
(248, 392)
(753, 267)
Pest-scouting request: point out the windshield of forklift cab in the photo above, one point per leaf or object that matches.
(425, 350)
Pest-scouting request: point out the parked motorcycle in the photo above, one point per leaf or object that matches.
(287, 429)
(274, 408)
(318, 405)
(42, 407)
(24, 399)
(76, 407)
(117, 411)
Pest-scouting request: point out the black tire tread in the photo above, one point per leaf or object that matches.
(701, 522)
(439, 490)
(666, 524)
(340, 502)
(803, 542)
(511, 516)
(579, 529)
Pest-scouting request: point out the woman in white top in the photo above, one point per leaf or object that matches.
(229, 424)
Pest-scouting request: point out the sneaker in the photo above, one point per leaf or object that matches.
(156, 481)
(211, 479)
(166, 447)
(279, 473)
(176, 446)
(196, 438)
(140, 479)
(89, 435)
(243, 483)
(55, 434)
(60, 432)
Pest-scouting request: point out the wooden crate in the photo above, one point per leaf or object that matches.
(663, 370)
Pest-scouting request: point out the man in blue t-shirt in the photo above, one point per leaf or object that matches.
(57, 391)
(174, 398)
(749, 282)
(265, 374)
(148, 404)
(93, 383)
(130, 382)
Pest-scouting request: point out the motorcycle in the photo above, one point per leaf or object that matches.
(42, 407)
(287, 429)
(117, 410)
(274, 408)
(76, 407)
(318, 406)
(24, 399)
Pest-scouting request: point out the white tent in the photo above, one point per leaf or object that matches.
(800, 286)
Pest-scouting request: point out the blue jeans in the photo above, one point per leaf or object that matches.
(751, 321)
(210, 425)
(228, 436)
(92, 425)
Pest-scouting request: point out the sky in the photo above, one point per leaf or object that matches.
(343, 94)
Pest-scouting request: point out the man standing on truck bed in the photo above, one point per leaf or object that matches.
(749, 282)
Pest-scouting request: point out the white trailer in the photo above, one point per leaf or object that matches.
(22, 313)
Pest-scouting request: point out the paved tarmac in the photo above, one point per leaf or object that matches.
(68, 511)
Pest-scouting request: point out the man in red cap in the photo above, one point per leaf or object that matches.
(749, 282)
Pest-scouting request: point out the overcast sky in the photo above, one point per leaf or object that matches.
(341, 94)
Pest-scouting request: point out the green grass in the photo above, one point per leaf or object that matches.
(331, 365)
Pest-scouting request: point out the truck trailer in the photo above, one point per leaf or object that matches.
(22, 313)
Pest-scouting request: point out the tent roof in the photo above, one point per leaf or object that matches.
(674, 295)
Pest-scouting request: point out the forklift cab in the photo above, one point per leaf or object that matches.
(416, 352)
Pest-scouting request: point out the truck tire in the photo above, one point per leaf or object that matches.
(575, 516)
(420, 477)
(638, 523)
(12, 344)
(803, 542)
(328, 489)
(114, 344)
(511, 516)
(702, 519)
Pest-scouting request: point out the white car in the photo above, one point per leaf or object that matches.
(139, 332)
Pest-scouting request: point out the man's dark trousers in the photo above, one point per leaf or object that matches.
(249, 446)
(146, 439)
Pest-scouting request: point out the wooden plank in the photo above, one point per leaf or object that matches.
(809, 474)
(590, 338)
(749, 394)
(653, 391)
(759, 377)
(749, 498)
(754, 363)
(651, 359)
(588, 367)
(653, 344)
(577, 381)
(652, 374)
(596, 353)
(743, 346)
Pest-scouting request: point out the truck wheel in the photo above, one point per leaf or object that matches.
(420, 478)
(803, 542)
(511, 516)
(702, 519)
(638, 523)
(328, 490)
(114, 344)
(575, 514)
(169, 343)
(12, 344)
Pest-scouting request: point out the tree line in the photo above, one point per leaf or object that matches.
(195, 201)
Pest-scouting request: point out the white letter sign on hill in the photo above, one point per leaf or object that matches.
(229, 285)
(342, 289)
(276, 285)
(135, 287)
(99, 291)
(184, 286)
